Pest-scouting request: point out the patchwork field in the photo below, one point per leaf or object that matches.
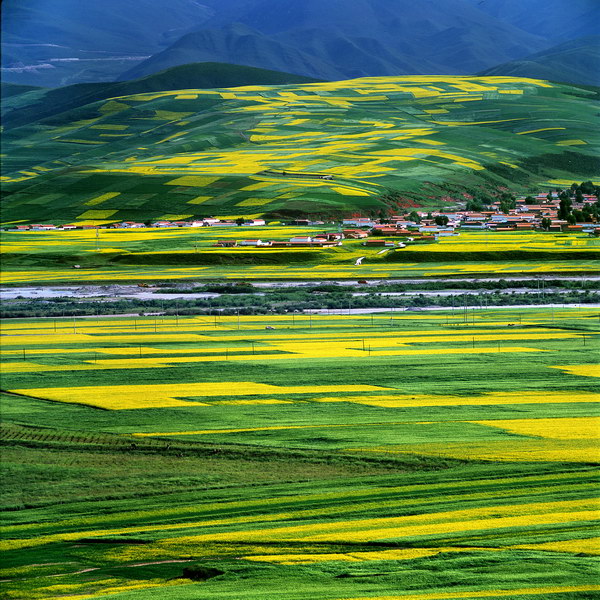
(413, 456)
(188, 253)
(388, 142)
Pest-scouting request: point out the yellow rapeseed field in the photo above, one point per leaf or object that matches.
(562, 428)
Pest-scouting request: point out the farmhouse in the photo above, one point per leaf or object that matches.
(359, 222)
(355, 234)
(253, 222)
(254, 243)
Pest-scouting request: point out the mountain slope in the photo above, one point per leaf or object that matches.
(384, 143)
(58, 42)
(238, 45)
(577, 61)
(45, 103)
(553, 19)
(12, 89)
(333, 39)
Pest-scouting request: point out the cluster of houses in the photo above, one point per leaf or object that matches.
(208, 222)
(524, 217)
(321, 240)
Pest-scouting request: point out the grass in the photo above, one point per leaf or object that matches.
(188, 253)
(309, 465)
(223, 151)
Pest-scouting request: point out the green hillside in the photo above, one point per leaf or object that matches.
(13, 89)
(387, 143)
(43, 103)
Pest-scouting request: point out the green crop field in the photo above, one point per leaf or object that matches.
(189, 253)
(409, 456)
(388, 142)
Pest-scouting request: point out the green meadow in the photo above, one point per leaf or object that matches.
(415, 456)
(43, 257)
(388, 143)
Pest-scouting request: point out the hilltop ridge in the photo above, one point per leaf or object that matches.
(383, 143)
(45, 102)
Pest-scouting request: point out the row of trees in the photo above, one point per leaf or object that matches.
(286, 303)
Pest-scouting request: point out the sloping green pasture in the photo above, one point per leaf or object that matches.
(422, 456)
(263, 149)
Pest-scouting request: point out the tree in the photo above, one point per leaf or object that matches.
(414, 216)
(383, 216)
(546, 222)
(588, 187)
(507, 202)
(240, 221)
(530, 200)
(564, 209)
(441, 220)
(474, 204)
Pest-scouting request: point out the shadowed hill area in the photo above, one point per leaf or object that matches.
(60, 42)
(384, 144)
(335, 39)
(13, 89)
(556, 20)
(241, 45)
(577, 61)
(43, 103)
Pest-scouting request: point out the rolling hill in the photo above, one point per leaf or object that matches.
(576, 61)
(385, 144)
(43, 103)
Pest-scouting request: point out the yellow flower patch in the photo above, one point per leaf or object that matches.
(102, 198)
(592, 370)
(254, 202)
(193, 181)
(97, 214)
(575, 428)
(118, 397)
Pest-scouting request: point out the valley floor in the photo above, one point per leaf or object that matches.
(417, 456)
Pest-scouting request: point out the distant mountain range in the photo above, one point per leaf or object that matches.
(577, 60)
(59, 42)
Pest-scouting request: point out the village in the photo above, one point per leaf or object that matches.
(537, 213)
